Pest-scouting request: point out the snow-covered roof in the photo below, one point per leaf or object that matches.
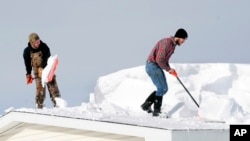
(114, 107)
(21, 125)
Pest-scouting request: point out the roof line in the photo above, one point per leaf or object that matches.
(105, 121)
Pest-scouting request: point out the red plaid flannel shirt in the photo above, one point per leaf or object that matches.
(162, 52)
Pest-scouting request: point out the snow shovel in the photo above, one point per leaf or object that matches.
(175, 74)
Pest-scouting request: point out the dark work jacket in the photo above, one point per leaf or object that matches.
(27, 55)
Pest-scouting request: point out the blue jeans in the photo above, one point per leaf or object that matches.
(158, 77)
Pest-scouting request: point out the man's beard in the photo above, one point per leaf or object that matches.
(178, 42)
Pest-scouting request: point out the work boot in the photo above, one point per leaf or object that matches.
(146, 106)
(157, 105)
(39, 106)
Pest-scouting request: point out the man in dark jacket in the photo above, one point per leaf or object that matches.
(35, 56)
(158, 60)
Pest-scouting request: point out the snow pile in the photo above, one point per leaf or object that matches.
(61, 103)
(220, 89)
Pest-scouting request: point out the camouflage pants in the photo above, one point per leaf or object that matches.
(36, 62)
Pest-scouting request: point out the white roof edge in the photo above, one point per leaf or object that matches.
(14, 118)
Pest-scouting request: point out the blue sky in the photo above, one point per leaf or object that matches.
(96, 37)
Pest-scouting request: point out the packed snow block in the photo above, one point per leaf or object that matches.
(219, 108)
(49, 70)
(127, 88)
(242, 96)
(216, 87)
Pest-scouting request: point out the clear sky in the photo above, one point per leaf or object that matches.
(96, 37)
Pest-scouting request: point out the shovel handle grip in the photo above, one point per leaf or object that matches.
(174, 73)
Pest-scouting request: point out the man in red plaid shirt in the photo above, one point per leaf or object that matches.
(158, 60)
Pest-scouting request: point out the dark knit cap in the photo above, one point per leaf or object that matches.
(181, 33)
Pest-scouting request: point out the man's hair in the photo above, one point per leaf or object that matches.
(33, 37)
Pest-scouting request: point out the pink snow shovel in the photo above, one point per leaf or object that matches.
(175, 75)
